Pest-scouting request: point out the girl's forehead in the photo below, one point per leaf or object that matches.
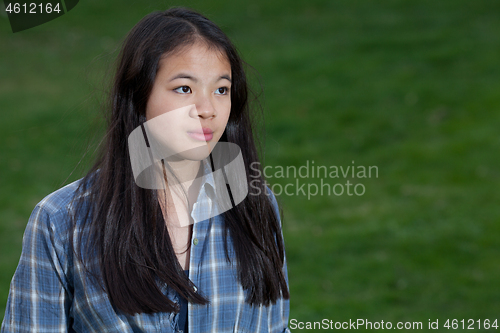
(197, 56)
(197, 49)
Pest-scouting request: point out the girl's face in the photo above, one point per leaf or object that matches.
(190, 102)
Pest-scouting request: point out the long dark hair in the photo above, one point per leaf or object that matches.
(126, 227)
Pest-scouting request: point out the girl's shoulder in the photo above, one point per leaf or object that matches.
(58, 209)
(274, 202)
(64, 199)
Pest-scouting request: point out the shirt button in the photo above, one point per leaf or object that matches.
(195, 241)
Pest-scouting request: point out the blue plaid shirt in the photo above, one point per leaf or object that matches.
(50, 291)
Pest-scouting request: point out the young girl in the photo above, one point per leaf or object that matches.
(126, 250)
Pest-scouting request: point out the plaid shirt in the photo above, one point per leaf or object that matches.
(50, 291)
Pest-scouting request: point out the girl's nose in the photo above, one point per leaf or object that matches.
(205, 108)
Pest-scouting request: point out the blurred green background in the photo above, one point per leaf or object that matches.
(412, 87)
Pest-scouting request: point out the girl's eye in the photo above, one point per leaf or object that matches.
(222, 91)
(183, 90)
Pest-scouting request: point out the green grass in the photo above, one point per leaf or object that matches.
(409, 86)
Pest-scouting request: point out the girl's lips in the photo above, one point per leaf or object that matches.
(204, 135)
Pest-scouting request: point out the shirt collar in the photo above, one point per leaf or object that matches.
(207, 179)
(205, 205)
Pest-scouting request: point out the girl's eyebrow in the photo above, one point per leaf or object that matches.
(184, 76)
(225, 77)
(189, 77)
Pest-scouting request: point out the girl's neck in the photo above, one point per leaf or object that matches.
(183, 185)
(184, 172)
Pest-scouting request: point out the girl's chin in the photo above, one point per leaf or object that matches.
(194, 154)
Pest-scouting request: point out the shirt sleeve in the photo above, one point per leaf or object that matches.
(283, 303)
(40, 294)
